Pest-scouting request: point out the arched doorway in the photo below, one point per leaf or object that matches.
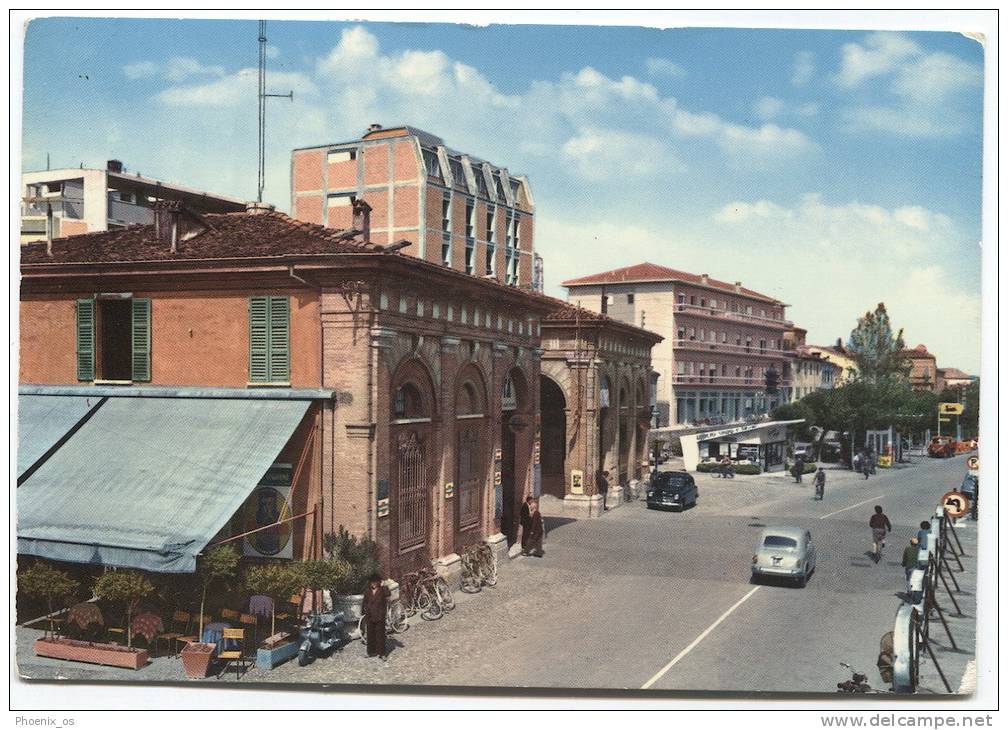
(411, 466)
(470, 458)
(553, 437)
(513, 400)
(626, 433)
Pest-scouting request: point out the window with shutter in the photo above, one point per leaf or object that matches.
(85, 339)
(141, 339)
(269, 339)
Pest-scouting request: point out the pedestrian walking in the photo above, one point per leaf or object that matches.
(375, 605)
(879, 525)
(820, 483)
(799, 468)
(725, 466)
(910, 559)
(924, 533)
(872, 460)
(526, 524)
(865, 465)
(536, 531)
(603, 487)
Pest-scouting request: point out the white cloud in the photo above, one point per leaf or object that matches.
(665, 67)
(804, 68)
(174, 69)
(237, 89)
(921, 89)
(602, 154)
(769, 107)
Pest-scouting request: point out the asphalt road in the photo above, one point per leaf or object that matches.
(673, 608)
(658, 600)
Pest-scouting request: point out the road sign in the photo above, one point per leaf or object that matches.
(950, 409)
(973, 463)
(955, 504)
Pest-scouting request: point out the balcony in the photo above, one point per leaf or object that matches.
(722, 314)
(727, 380)
(727, 348)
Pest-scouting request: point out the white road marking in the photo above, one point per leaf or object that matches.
(870, 499)
(698, 639)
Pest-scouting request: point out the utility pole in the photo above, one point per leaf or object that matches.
(263, 96)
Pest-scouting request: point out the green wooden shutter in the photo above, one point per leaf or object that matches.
(141, 339)
(258, 339)
(85, 339)
(279, 339)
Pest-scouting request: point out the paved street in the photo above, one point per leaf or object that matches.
(661, 599)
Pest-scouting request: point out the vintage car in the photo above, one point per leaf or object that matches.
(784, 552)
(942, 447)
(673, 489)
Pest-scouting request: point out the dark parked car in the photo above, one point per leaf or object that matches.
(672, 489)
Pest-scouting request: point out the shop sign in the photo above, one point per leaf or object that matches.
(950, 409)
(577, 481)
(449, 490)
(383, 507)
(497, 479)
(269, 503)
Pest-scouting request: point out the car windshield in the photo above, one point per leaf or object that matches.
(670, 482)
(779, 541)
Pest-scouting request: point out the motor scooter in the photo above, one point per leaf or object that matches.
(321, 633)
(857, 684)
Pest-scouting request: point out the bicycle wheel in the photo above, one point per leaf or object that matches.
(396, 619)
(444, 594)
(430, 607)
(490, 574)
(362, 628)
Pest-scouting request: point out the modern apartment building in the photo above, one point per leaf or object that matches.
(454, 209)
(70, 201)
(723, 343)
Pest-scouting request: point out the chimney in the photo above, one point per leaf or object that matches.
(362, 217)
(839, 343)
(253, 207)
(114, 166)
(738, 287)
(166, 222)
(374, 127)
(704, 279)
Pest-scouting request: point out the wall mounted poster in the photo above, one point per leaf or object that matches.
(269, 503)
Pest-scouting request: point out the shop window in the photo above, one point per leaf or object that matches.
(269, 339)
(114, 339)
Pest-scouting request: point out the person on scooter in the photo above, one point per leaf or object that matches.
(376, 597)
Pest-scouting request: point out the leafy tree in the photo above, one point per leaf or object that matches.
(279, 581)
(323, 575)
(970, 418)
(217, 563)
(360, 554)
(877, 352)
(43, 581)
(128, 587)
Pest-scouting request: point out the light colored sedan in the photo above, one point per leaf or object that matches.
(785, 552)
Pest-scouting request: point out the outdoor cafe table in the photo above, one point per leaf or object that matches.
(85, 614)
(147, 625)
(213, 634)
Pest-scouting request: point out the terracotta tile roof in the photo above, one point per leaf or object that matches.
(654, 272)
(918, 352)
(565, 312)
(954, 374)
(225, 235)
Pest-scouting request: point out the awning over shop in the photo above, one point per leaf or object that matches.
(754, 432)
(148, 482)
(45, 420)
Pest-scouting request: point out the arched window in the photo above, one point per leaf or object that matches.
(407, 402)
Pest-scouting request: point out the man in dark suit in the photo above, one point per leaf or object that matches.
(526, 524)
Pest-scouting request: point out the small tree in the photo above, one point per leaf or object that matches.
(876, 350)
(279, 581)
(360, 555)
(321, 575)
(127, 587)
(43, 581)
(217, 563)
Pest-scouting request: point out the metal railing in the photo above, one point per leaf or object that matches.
(715, 313)
(689, 343)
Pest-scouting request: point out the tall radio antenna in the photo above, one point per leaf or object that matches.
(263, 96)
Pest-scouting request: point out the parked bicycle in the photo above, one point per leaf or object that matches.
(426, 593)
(395, 621)
(479, 568)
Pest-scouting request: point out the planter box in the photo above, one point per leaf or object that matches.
(196, 659)
(351, 607)
(270, 658)
(111, 655)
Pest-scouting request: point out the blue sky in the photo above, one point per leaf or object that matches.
(831, 169)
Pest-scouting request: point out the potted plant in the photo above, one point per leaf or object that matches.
(127, 587)
(217, 563)
(279, 581)
(43, 582)
(361, 557)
